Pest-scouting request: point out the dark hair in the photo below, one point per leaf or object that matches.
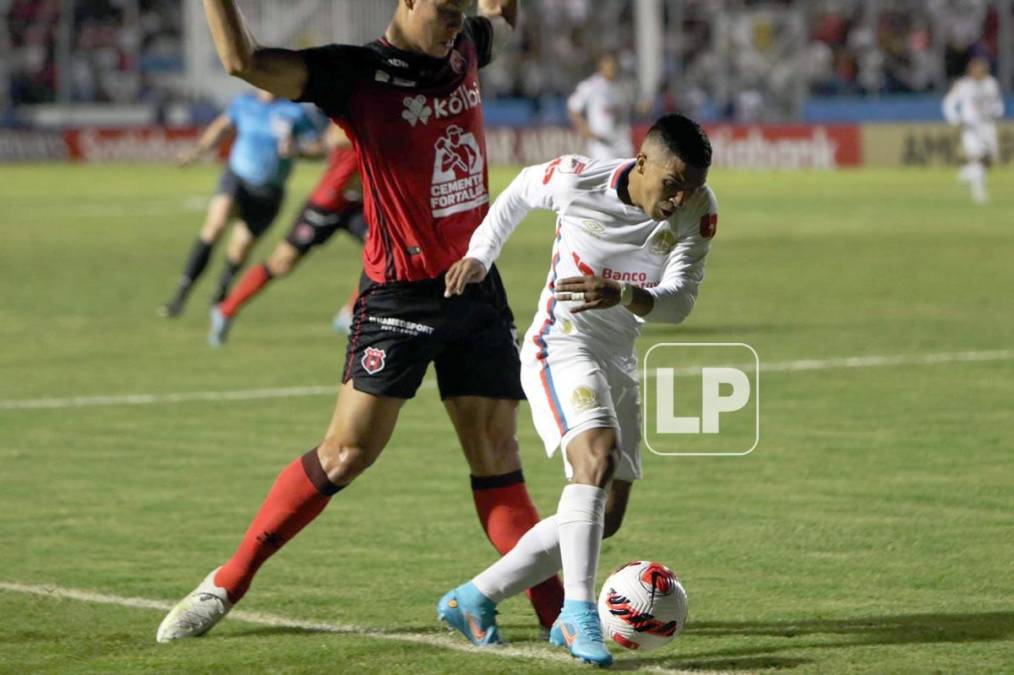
(683, 137)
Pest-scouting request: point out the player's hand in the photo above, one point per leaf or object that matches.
(592, 292)
(465, 271)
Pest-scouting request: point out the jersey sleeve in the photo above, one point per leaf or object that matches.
(676, 294)
(531, 189)
(332, 74)
(480, 31)
(578, 101)
(950, 105)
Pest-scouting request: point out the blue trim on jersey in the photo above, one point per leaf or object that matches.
(543, 356)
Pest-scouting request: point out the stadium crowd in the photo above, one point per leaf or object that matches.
(743, 64)
(115, 49)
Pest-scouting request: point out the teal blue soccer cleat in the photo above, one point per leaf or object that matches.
(220, 324)
(472, 614)
(580, 630)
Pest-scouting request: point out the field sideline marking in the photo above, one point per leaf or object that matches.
(259, 618)
(331, 389)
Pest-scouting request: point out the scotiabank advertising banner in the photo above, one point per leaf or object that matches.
(758, 147)
(150, 144)
(790, 146)
(782, 146)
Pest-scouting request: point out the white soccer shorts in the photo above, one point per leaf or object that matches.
(980, 142)
(570, 390)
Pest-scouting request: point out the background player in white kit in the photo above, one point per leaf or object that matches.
(600, 110)
(631, 239)
(975, 103)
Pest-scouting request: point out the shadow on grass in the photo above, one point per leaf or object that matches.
(894, 629)
(752, 663)
(899, 629)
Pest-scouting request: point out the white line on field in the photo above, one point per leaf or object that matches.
(869, 361)
(428, 639)
(331, 389)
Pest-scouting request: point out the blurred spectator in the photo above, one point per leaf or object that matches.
(114, 46)
(749, 60)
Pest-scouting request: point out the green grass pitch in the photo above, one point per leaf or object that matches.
(870, 531)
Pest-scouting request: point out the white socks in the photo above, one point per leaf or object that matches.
(974, 173)
(570, 540)
(535, 558)
(580, 519)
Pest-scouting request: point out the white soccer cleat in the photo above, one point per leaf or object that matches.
(197, 613)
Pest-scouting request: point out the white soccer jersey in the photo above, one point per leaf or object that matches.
(974, 103)
(580, 370)
(606, 106)
(598, 234)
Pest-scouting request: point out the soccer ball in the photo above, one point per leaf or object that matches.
(643, 605)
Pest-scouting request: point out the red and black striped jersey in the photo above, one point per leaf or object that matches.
(415, 122)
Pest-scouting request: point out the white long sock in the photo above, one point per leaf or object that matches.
(580, 517)
(977, 181)
(535, 558)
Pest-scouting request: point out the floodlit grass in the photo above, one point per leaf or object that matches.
(870, 531)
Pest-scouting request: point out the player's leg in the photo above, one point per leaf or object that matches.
(479, 378)
(311, 228)
(536, 556)
(360, 428)
(220, 210)
(240, 243)
(974, 170)
(487, 431)
(250, 285)
(258, 206)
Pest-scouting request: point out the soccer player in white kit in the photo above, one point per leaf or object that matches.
(631, 239)
(600, 109)
(974, 103)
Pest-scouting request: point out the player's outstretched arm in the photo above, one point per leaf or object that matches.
(280, 71)
(527, 191)
(210, 138)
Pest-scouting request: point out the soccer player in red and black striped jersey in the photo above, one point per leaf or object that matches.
(411, 106)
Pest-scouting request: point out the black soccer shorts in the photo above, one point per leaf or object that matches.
(315, 225)
(399, 328)
(257, 205)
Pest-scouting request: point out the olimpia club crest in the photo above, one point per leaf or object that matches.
(663, 242)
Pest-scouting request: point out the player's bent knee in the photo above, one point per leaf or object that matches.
(493, 456)
(344, 462)
(282, 261)
(594, 465)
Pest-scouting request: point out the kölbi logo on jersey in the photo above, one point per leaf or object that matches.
(701, 399)
(420, 108)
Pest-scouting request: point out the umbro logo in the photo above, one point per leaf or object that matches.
(416, 110)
